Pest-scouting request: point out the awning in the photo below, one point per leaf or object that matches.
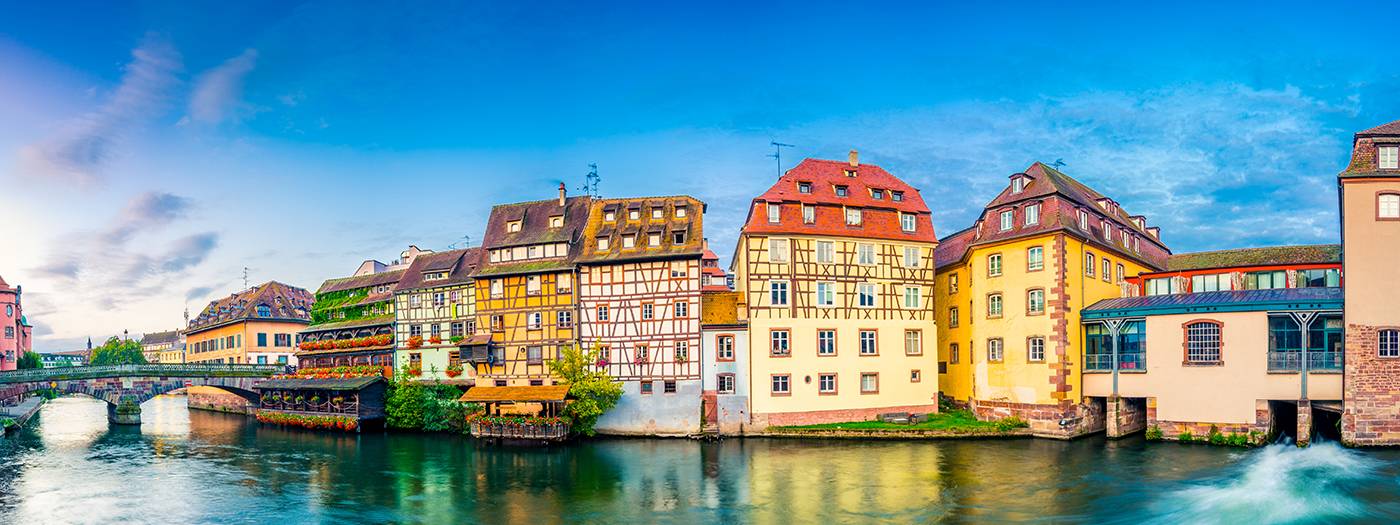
(477, 340)
(351, 383)
(496, 394)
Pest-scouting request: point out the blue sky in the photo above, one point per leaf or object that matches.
(153, 150)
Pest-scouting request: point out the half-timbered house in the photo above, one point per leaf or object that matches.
(525, 293)
(352, 322)
(639, 304)
(435, 316)
(835, 261)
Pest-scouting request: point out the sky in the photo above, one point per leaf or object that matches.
(150, 152)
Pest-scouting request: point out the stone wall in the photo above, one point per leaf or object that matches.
(1063, 421)
(1125, 416)
(654, 414)
(815, 417)
(216, 400)
(1370, 391)
(1172, 430)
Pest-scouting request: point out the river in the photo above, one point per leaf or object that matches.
(182, 466)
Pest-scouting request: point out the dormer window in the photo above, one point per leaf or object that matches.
(654, 239)
(804, 187)
(513, 226)
(680, 212)
(1083, 220)
(1018, 184)
(906, 222)
(658, 212)
(1007, 219)
(774, 212)
(1388, 157)
(634, 214)
(877, 194)
(678, 237)
(1033, 214)
(610, 216)
(841, 191)
(897, 196)
(264, 311)
(1140, 223)
(1107, 230)
(850, 173)
(629, 241)
(434, 276)
(556, 221)
(852, 216)
(603, 243)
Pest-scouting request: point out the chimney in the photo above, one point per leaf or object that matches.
(855, 158)
(562, 193)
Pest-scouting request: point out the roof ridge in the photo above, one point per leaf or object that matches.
(540, 201)
(1273, 247)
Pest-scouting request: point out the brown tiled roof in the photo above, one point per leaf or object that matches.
(720, 308)
(1267, 256)
(952, 248)
(534, 217)
(157, 338)
(360, 281)
(879, 217)
(288, 303)
(460, 265)
(350, 323)
(598, 227)
(481, 394)
(1364, 162)
(1391, 128)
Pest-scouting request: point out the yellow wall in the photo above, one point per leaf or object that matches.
(246, 340)
(514, 306)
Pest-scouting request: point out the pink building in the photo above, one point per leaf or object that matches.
(17, 335)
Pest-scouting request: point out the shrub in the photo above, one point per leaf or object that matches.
(1154, 433)
(1215, 437)
(1185, 437)
(1238, 440)
(594, 392)
(1010, 423)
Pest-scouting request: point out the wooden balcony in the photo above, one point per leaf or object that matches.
(557, 432)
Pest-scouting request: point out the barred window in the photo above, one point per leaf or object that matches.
(1203, 342)
(1389, 343)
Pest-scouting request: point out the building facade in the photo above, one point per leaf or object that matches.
(16, 335)
(156, 345)
(835, 263)
(1268, 268)
(1370, 200)
(435, 317)
(254, 326)
(639, 275)
(1010, 290)
(353, 320)
(724, 351)
(525, 293)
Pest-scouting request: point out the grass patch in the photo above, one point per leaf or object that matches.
(952, 421)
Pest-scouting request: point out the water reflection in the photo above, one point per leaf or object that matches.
(200, 467)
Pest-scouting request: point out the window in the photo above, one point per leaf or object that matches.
(778, 343)
(809, 214)
(565, 319)
(534, 355)
(668, 387)
(778, 293)
(1035, 259)
(773, 213)
(678, 237)
(725, 383)
(994, 265)
(532, 284)
(415, 300)
(865, 295)
(1107, 270)
(282, 340)
(262, 339)
(643, 353)
(497, 288)
(1161, 286)
(680, 212)
(953, 352)
(610, 216)
(852, 216)
(1035, 349)
(439, 299)
(648, 311)
(877, 194)
(1388, 157)
(841, 191)
(1032, 215)
(913, 342)
(658, 213)
(868, 343)
(435, 330)
(911, 256)
(782, 384)
(915, 376)
(534, 320)
(556, 221)
(1107, 230)
(826, 252)
(603, 313)
(682, 309)
(994, 305)
(826, 384)
(498, 322)
(906, 222)
(415, 330)
(634, 214)
(912, 297)
(456, 330)
(264, 311)
(1120, 273)
(897, 196)
(994, 350)
(1388, 343)
(826, 294)
(647, 387)
(1089, 261)
(953, 283)
(1203, 343)
(654, 239)
(629, 241)
(778, 251)
(1388, 205)
(804, 187)
(725, 345)
(869, 383)
(1018, 184)
(826, 342)
(1035, 302)
(513, 226)
(1264, 280)
(952, 317)
(1006, 220)
(563, 283)
(1083, 220)
(865, 254)
(1319, 278)
(1215, 282)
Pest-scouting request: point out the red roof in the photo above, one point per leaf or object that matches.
(1392, 128)
(879, 217)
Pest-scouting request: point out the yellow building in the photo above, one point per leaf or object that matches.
(835, 263)
(1010, 289)
(525, 293)
(254, 326)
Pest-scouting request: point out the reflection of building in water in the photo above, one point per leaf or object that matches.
(819, 481)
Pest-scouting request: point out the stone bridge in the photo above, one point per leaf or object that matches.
(125, 387)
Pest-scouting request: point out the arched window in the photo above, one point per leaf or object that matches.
(1202, 343)
(1388, 206)
(1388, 342)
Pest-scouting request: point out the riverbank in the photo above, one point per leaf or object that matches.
(952, 424)
(21, 413)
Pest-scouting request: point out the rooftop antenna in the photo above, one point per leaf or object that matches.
(1057, 163)
(464, 242)
(245, 277)
(590, 181)
(778, 154)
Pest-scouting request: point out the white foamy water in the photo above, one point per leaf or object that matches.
(1280, 483)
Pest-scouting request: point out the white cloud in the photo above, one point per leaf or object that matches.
(218, 93)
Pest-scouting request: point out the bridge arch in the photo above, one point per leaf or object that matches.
(126, 387)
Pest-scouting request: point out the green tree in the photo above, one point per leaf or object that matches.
(594, 392)
(117, 351)
(30, 360)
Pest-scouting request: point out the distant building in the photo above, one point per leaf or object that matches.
(17, 336)
(254, 326)
(157, 344)
(64, 359)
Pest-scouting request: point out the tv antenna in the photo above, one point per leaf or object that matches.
(1057, 163)
(464, 242)
(778, 154)
(590, 181)
(245, 277)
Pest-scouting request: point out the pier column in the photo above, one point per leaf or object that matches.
(1304, 422)
(127, 411)
(1113, 409)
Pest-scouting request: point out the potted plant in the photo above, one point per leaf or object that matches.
(415, 341)
(454, 370)
(437, 340)
(415, 371)
(457, 339)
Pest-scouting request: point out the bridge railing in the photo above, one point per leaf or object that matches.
(152, 370)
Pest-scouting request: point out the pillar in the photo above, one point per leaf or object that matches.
(1113, 416)
(126, 411)
(1304, 422)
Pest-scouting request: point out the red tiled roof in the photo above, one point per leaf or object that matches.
(1392, 128)
(879, 217)
(287, 303)
(460, 265)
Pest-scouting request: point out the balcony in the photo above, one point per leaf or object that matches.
(1291, 361)
(1127, 362)
(544, 432)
